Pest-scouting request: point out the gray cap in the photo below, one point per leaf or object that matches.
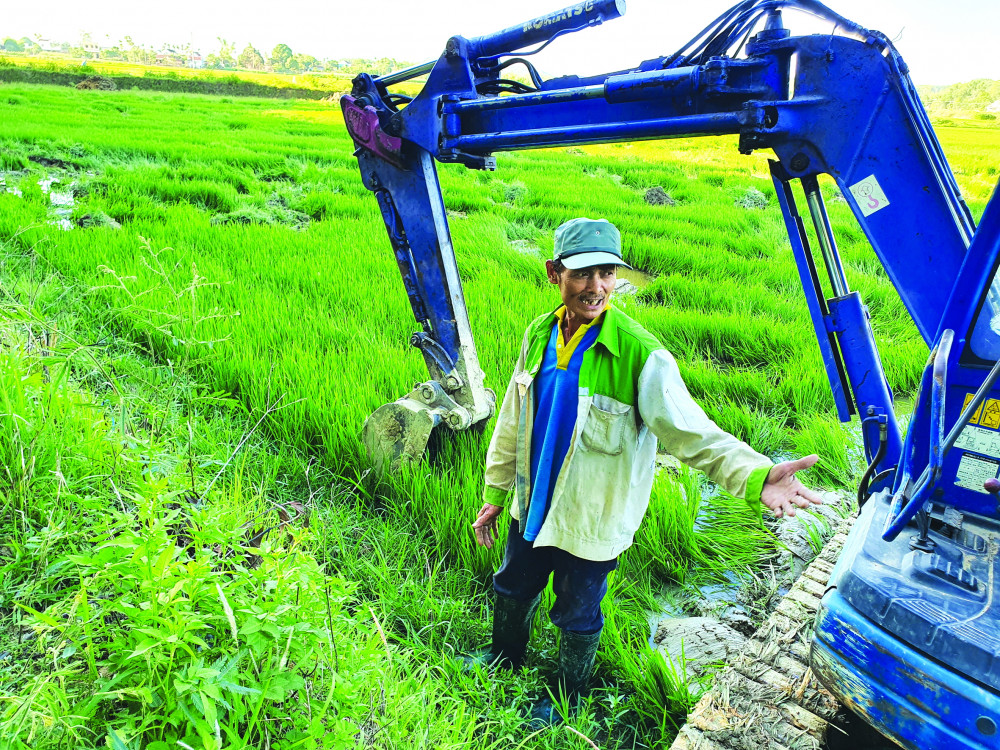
(581, 243)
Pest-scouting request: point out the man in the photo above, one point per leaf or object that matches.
(576, 437)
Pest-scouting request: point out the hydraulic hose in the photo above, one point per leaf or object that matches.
(883, 443)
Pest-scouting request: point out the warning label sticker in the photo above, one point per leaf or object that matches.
(973, 471)
(982, 439)
(868, 193)
(991, 414)
(968, 400)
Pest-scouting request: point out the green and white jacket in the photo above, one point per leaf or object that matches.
(631, 395)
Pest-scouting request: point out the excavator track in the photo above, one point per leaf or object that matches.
(767, 696)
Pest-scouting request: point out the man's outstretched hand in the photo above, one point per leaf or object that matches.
(783, 492)
(485, 524)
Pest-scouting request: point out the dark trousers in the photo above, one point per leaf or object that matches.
(579, 584)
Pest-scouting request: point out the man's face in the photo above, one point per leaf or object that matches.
(585, 291)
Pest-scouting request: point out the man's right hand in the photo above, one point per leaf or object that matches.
(485, 525)
(783, 492)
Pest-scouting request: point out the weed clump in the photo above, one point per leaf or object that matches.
(96, 219)
(657, 196)
(515, 192)
(277, 174)
(276, 210)
(97, 83)
(751, 198)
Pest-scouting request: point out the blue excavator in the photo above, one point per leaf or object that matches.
(908, 632)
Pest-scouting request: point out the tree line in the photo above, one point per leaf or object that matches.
(970, 96)
(282, 58)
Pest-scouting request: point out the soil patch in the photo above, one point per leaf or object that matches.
(48, 161)
(97, 83)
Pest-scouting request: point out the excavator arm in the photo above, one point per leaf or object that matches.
(840, 104)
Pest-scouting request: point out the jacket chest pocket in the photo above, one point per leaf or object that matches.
(606, 426)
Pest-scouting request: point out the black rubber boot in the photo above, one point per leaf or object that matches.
(577, 653)
(512, 621)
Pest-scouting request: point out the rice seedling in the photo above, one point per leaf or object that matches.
(148, 603)
(262, 197)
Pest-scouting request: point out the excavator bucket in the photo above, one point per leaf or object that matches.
(397, 434)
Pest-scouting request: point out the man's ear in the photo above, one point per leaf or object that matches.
(550, 271)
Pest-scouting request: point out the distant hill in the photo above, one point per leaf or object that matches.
(975, 99)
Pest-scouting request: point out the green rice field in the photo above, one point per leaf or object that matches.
(214, 272)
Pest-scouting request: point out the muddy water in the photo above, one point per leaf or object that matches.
(58, 187)
(8, 182)
(718, 600)
(61, 201)
(640, 278)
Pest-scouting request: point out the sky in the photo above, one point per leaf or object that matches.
(943, 42)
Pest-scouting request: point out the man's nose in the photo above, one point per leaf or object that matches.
(593, 282)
